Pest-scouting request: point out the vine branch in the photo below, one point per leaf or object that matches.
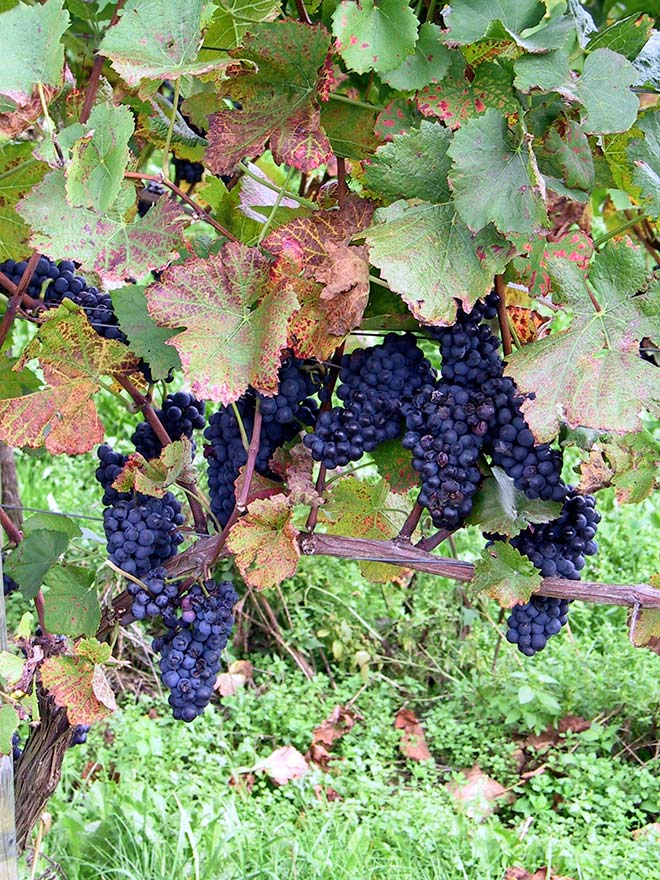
(13, 533)
(17, 296)
(253, 451)
(502, 315)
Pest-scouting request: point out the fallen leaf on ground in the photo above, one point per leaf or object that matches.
(284, 764)
(413, 742)
(339, 722)
(237, 676)
(478, 793)
(516, 873)
(552, 735)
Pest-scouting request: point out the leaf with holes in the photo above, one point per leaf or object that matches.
(591, 374)
(71, 603)
(157, 40)
(147, 339)
(264, 543)
(366, 510)
(429, 256)
(279, 103)
(78, 683)
(235, 318)
(374, 36)
(494, 178)
(505, 575)
(458, 98)
(31, 48)
(107, 244)
(19, 172)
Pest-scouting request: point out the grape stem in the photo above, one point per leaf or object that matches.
(342, 190)
(13, 533)
(253, 451)
(17, 297)
(410, 524)
(502, 315)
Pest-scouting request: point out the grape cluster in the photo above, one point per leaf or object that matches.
(375, 384)
(190, 172)
(282, 417)
(142, 533)
(469, 348)
(149, 195)
(111, 464)
(160, 599)
(9, 585)
(190, 649)
(180, 415)
(446, 428)
(557, 549)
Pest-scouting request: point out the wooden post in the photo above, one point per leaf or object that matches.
(8, 855)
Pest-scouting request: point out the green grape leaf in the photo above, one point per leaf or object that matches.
(157, 40)
(108, 245)
(632, 466)
(584, 23)
(30, 48)
(548, 73)
(264, 543)
(428, 63)
(8, 724)
(350, 129)
(414, 165)
(644, 154)
(147, 339)
(499, 508)
(32, 559)
(628, 36)
(279, 102)
(19, 171)
(99, 158)
(225, 205)
(232, 19)
(604, 91)
(495, 178)
(458, 98)
(374, 36)
(568, 151)
(591, 374)
(56, 522)
(429, 256)
(468, 20)
(235, 320)
(11, 668)
(366, 510)
(71, 603)
(15, 382)
(395, 466)
(79, 683)
(505, 575)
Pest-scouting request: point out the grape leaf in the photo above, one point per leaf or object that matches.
(628, 36)
(235, 320)
(232, 19)
(154, 476)
(398, 116)
(365, 510)
(106, 244)
(429, 256)
(468, 20)
(13, 381)
(591, 374)
(296, 467)
(646, 633)
(345, 293)
(34, 556)
(264, 543)
(71, 603)
(74, 357)
(157, 40)
(603, 90)
(395, 466)
(458, 98)
(350, 129)
(633, 466)
(545, 72)
(584, 23)
(574, 249)
(644, 153)
(19, 171)
(30, 48)
(99, 158)
(53, 522)
(279, 103)
(428, 63)
(494, 177)
(567, 148)
(147, 339)
(8, 724)
(16, 119)
(505, 575)
(308, 333)
(79, 684)
(500, 508)
(414, 165)
(374, 36)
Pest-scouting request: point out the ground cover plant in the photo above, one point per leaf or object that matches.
(381, 283)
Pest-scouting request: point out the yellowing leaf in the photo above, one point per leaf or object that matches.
(264, 543)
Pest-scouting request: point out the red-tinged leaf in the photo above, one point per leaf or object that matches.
(154, 476)
(366, 510)
(260, 487)
(279, 103)
(79, 684)
(109, 245)
(264, 543)
(456, 99)
(336, 725)
(413, 742)
(591, 374)
(296, 467)
(397, 117)
(575, 248)
(346, 287)
(308, 327)
(284, 765)
(395, 465)
(26, 113)
(235, 315)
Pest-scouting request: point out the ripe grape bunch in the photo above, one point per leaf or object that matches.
(143, 532)
(180, 415)
(375, 384)
(557, 549)
(190, 649)
(159, 599)
(282, 418)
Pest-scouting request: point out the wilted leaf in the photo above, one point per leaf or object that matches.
(235, 320)
(284, 765)
(413, 742)
(374, 36)
(296, 467)
(505, 575)
(264, 543)
(345, 277)
(237, 676)
(154, 476)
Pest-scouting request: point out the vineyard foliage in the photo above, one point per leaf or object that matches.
(248, 195)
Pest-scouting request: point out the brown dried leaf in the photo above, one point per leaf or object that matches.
(27, 111)
(283, 765)
(478, 794)
(338, 723)
(651, 830)
(595, 473)
(552, 735)
(413, 742)
(346, 291)
(296, 467)
(239, 673)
